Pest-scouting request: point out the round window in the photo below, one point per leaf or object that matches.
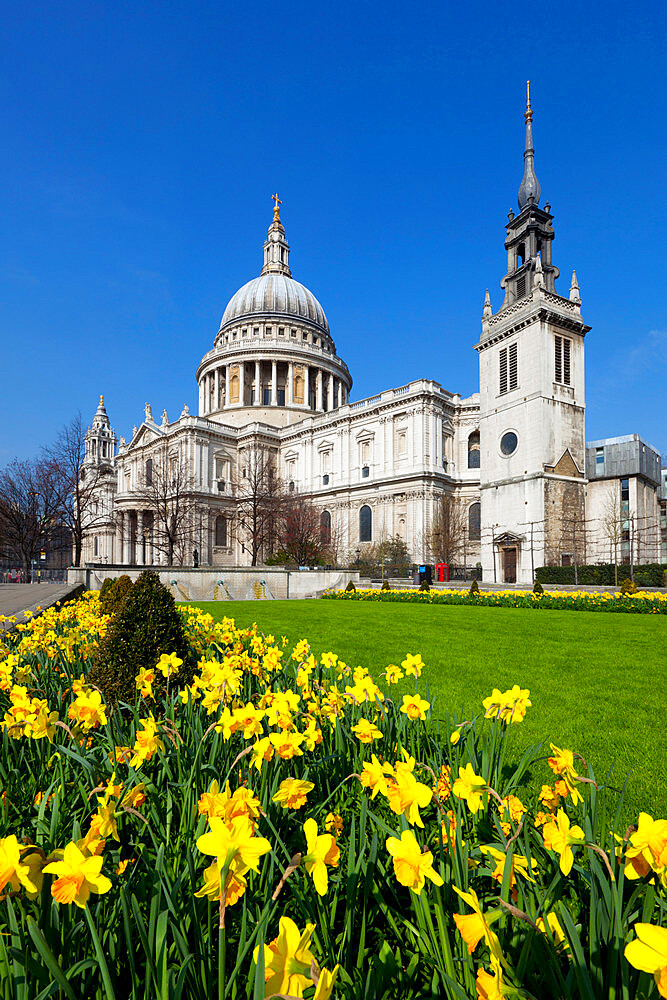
(508, 443)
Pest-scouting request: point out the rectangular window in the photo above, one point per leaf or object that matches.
(281, 397)
(599, 461)
(267, 397)
(513, 366)
(566, 361)
(521, 287)
(625, 489)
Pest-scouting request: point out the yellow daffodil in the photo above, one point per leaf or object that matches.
(16, 871)
(555, 930)
(559, 836)
(407, 796)
(477, 925)
(393, 674)
(415, 707)
(412, 665)
(411, 866)
(233, 842)
(333, 823)
(287, 745)
(508, 706)
(374, 776)
(78, 876)
(366, 731)
(288, 960)
(519, 865)
(648, 953)
(325, 983)
(562, 763)
(470, 787)
(168, 664)
(322, 850)
(293, 792)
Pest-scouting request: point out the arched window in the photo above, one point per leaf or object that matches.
(149, 472)
(365, 524)
(95, 550)
(473, 450)
(325, 527)
(221, 531)
(475, 522)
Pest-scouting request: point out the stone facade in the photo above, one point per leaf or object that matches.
(512, 456)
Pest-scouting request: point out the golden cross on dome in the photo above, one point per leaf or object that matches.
(276, 207)
(101, 400)
(528, 114)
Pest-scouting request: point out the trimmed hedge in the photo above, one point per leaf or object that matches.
(146, 625)
(648, 575)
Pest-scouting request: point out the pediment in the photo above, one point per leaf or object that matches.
(565, 466)
(147, 434)
(508, 538)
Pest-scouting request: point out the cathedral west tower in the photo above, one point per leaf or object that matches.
(531, 367)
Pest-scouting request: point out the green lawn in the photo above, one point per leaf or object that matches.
(597, 681)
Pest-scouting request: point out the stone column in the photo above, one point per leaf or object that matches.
(201, 397)
(118, 545)
(339, 393)
(140, 538)
(274, 383)
(241, 383)
(127, 538)
(306, 390)
(258, 385)
(320, 402)
(330, 394)
(289, 393)
(217, 389)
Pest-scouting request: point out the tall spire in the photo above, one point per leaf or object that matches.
(529, 192)
(276, 247)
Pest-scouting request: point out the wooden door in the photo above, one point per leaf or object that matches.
(509, 565)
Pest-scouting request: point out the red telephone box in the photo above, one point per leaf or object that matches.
(443, 572)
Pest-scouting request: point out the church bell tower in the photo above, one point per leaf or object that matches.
(531, 365)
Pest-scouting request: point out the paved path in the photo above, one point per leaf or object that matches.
(15, 598)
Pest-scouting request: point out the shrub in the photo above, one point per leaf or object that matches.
(474, 589)
(113, 598)
(104, 590)
(350, 588)
(538, 588)
(146, 625)
(628, 586)
(423, 586)
(385, 585)
(603, 575)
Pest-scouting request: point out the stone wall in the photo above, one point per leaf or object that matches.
(565, 521)
(225, 584)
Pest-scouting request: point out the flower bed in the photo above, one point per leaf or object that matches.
(641, 603)
(286, 826)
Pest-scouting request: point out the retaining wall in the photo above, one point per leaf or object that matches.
(225, 584)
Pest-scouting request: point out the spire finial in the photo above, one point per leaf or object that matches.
(101, 400)
(487, 305)
(529, 192)
(276, 207)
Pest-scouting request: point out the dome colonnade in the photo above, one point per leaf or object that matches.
(274, 351)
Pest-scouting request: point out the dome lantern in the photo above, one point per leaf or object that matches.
(276, 248)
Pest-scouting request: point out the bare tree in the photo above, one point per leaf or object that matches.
(168, 490)
(612, 524)
(300, 533)
(80, 483)
(445, 537)
(31, 496)
(260, 498)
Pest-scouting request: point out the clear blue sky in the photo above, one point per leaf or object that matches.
(142, 143)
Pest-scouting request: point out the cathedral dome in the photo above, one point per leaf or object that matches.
(274, 294)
